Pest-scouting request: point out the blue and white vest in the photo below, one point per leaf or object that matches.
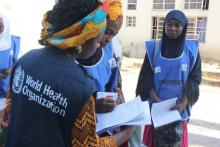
(7, 59)
(105, 70)
(170, 75)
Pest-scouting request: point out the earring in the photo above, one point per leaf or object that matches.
(79, 49)
(101, 1)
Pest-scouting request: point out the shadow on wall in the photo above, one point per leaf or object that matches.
(134, 50)
(126, 53)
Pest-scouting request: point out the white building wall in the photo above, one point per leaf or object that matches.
(133, 38)
(25, 18)
(211, 49)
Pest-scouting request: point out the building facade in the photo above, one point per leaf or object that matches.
(143, 20)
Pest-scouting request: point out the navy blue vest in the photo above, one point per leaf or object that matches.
(48, 92)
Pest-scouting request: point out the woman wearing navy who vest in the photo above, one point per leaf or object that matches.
(51, 98)
(9, 49)
(171, 68)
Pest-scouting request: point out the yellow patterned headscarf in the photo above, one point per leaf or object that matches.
(115, 10)
(74, 36)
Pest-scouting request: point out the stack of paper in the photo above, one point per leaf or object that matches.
(134, 112)
(161, 113)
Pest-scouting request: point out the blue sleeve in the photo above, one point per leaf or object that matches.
(194, 80)
(145, 79)
(15, 48)
(113, 80)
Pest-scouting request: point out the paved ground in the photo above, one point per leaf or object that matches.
(204, 126)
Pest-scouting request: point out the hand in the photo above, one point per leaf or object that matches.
(4, 74)
(129, 129)
(156, 100)
(124, 128)
(105, 105)
(1, 76)
(124, 135)
(180, 107)
(154, 96)
(120, 99)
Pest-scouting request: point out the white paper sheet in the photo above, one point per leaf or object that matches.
(161, 113)
(134, 112)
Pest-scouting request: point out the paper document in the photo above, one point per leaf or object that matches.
(161, 113)
(112, 95)
(134, 112)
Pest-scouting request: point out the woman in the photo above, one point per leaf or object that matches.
(172, 68)
(102, 65)
(52, 101)
(9, 48)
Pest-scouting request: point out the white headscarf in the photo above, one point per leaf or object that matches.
(5, 36)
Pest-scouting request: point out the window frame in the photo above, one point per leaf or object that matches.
(189, 5)
(196, 29)
(131, 21)
(163, 5)
(132, 5)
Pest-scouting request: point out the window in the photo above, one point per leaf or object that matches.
(132, 4)
(196, 4)
(131, 21)
(201, 28)
(157, 30)
(196, 28)
(191, 29)
(163, 4)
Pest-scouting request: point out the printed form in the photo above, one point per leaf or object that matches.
(161, 113)
(134, 112)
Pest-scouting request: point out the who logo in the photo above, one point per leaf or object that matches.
(18, 80)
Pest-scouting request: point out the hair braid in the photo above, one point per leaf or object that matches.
(67, 12)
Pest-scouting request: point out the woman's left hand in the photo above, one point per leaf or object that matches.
(120, 99)
(4, 74)
(180, 107)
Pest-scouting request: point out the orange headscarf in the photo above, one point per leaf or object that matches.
(75, 35)
(115, 10)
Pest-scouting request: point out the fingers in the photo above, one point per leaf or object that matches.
(109, 100)
(174, 108)
(156, 100)
(179, 108)
(2, 76)
(108, 104)
(105, 105)
(120, 100)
